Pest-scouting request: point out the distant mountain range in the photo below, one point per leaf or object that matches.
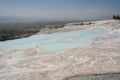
(10, 19)
(5, 19)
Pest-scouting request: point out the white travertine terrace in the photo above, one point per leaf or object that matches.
(102, 56)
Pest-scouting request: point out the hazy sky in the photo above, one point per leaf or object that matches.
(71, 9)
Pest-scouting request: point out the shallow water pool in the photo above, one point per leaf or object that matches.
(56, 41)
(97, 77)
(117, 27)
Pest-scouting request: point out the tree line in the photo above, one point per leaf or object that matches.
(116, 17)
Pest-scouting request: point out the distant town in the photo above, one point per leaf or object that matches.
(14, 31)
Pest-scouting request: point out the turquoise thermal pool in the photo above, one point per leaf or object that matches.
(56, 41)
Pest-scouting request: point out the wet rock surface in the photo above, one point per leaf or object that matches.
(114, 76)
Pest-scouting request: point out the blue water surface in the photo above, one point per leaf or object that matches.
(56, 41)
